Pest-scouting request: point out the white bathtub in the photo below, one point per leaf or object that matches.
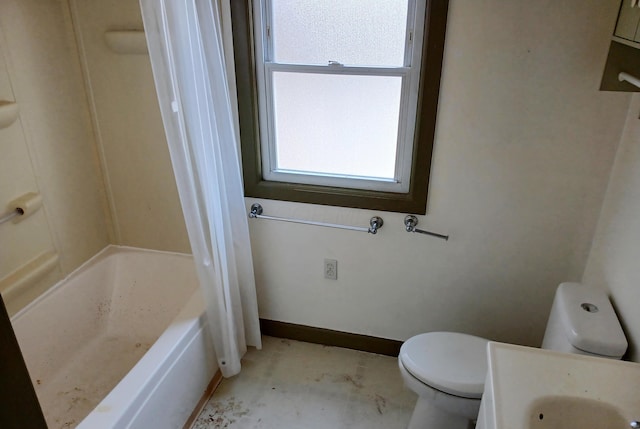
(120, 343)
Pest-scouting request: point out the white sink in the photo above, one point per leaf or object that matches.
(528, 388)
(556, 412)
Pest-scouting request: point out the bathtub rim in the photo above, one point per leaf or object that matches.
(104, 253)
(121, 405)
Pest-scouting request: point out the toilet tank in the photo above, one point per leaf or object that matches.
(582, 321)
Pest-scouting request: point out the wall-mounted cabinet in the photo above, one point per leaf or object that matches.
(624, 51)
(627, 28)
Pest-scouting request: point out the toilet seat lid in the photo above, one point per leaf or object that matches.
(451, 362)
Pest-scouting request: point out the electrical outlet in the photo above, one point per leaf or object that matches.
(331, 269)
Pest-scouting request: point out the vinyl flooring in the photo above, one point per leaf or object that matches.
(291, 384)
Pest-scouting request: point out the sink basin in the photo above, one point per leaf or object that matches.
(528, 388)
(558, 412)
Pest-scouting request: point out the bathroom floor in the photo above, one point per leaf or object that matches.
(290, 384)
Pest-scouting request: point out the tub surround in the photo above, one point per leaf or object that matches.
(133, 149)
(49, 148)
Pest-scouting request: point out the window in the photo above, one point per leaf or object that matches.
(337, 99)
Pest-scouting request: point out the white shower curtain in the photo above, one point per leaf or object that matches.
(188, 61)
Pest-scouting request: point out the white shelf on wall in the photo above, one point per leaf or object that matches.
(126, 41)
(8, 113)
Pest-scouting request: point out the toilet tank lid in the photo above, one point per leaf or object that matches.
(589, 320)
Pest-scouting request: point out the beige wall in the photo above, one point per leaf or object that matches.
(613, 263)
(523, 149)
(524, 146)
(51, 147)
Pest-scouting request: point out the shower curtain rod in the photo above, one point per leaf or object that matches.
(375, 222)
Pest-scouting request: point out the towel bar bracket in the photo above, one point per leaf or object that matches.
(256, 210)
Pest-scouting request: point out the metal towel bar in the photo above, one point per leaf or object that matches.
(410, 222)
(375, 223)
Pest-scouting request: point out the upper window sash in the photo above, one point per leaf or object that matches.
(263, 11)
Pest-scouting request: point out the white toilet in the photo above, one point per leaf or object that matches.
(447, 370)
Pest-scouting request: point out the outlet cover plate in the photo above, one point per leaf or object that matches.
(331, 269)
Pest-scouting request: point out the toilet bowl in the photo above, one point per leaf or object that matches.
(447, 370)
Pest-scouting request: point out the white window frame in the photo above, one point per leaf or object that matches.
(410, 74)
